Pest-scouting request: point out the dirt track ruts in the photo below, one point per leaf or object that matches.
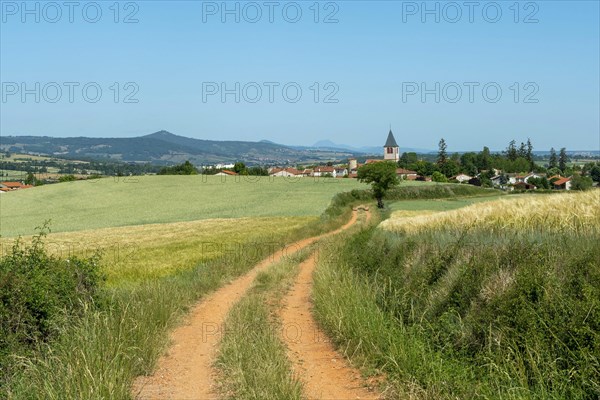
(325, 373)
(186, 370)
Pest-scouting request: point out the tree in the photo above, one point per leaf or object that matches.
(30, 180)
(425, 168)
(529, 154)
(511, 151)
(595, 173)
(522, 150)
(579, 182)
(553, 162)
(540, 183)
(553, 172)
(240, 168)
(381, 175)
(484, 159)
(562, 160)
(438, 177)
(66, 178)
(442, 154)
(187, 168)
(407, 159)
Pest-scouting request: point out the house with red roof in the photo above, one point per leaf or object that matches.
(12, 185)
(406, 174)
(324, 171)
(560, 183)
(287, 172)
(226, 173)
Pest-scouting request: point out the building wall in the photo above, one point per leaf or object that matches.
(394, 155)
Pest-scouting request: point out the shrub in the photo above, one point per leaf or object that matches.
(38, 293)
(438, 177)
(579, 182)
(66, 178)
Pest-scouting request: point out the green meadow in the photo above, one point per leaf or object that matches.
(123, 201)
(440, 204)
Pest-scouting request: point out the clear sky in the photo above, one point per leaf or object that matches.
(431, 70)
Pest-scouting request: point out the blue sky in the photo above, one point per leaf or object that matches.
(356, 75)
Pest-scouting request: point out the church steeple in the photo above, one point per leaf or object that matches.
(391, 149)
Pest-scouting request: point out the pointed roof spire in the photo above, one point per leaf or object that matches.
(390, 142)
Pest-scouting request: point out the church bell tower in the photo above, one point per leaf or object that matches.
(391, 151)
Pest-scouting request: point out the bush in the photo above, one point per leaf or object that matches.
(438, 177)
(38, 294)
(66, 178)
(579, 182)
(187, 168)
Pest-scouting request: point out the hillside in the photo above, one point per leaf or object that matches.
(109, 202)
(166, 148)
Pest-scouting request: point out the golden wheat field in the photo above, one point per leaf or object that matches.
(564, 212)
(143, 252)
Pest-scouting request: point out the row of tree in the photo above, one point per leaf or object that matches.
(512, 160)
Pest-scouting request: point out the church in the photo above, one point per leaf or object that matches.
(391, 151)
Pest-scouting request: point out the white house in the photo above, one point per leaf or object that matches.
(463, 178)
(532, 175)
(322, 171)
(287, 172)
(340, 171)
(225, 173)
(406, 174)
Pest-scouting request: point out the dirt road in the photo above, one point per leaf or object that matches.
(186, 370)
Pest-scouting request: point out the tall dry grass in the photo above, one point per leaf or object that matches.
(577, 213)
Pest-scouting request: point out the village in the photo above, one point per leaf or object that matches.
(391, 152)
(489, 177)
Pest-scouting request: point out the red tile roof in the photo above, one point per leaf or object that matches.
(324, 169)
(402, 171)
(12, 184)
(228, 172)
(561, 181)
(290, 170)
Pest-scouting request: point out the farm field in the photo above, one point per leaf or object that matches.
(572, 212)
(141, 253)
(155, 273)
(477, 301)
(110, 202)
(419, 207)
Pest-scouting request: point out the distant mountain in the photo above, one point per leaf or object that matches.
(166, 148)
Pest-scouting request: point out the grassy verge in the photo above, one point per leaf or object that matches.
(252, 361)
(99, 355)
(471, 311)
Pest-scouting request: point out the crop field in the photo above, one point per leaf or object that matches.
(569, 212)
(164, 243)
(422, 207)
(145, 252)
(497, 299)
(110, 202)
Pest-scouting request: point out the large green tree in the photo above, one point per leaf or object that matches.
(562, 160)
(553, 162)
(442, 157)
(381, 175)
